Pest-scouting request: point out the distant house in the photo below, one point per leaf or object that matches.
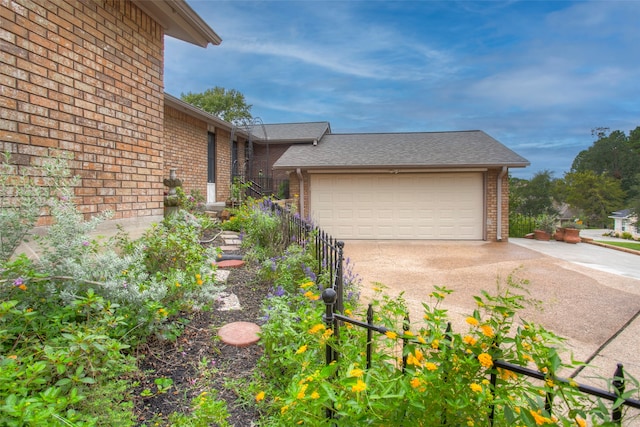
(87, 77)
(625, 221)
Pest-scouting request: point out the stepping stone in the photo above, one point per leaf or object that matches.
(232, 241)
(222, 275)
(229, 248)
(229, 302)
(239, 334)
(232, 263)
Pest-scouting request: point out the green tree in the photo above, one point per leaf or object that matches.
(595, 195)
(616, 155)
(229, 105)
(535, 196)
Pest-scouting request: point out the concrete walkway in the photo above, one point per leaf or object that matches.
(590, 295)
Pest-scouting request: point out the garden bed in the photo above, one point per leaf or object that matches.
(199, 362)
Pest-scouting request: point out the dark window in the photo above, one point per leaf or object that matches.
(211, 158)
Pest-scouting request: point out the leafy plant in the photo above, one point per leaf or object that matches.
(438, 377)
(546, 223)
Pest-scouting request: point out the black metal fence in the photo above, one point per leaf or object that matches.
(334, 319)
(328, 252)
(263, 186)
(521, 225)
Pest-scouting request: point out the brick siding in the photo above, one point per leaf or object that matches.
(186, 145)
(86, 77)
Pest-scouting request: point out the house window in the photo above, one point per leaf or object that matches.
(211, 158)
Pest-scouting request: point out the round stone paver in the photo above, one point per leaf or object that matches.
(239, 334)
(231, 263)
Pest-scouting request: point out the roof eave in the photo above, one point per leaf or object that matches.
(189, 109)
(180, 21)
(389, 166)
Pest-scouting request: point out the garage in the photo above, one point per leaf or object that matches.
(444, 206)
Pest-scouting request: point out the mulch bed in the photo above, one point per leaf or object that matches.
(180, 360)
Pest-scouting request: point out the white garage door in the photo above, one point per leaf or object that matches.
(399, 206)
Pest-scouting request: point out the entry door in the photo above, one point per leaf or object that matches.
(211, 168)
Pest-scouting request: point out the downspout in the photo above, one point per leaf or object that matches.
(501, 175)
(301, 182)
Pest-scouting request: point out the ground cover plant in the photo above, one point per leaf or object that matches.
(628, 245)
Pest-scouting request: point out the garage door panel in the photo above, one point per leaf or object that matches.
(402, 206)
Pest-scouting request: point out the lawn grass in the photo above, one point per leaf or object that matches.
(628, 245)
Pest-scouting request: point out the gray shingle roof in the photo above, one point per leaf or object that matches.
(292, 132)
(402, 150)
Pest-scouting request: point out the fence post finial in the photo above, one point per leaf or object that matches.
(618, 385)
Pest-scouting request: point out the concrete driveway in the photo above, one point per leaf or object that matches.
(590, 295)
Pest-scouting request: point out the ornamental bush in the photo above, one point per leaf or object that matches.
(422, 373)
(70, 315)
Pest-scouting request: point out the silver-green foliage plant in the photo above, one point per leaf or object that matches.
(20, 204)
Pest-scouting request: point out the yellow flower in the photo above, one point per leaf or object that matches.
(178, 285)
(391, 334)
(472, 321)
(485, 360)
(317, 328)
(415, 382)
(475, 387)
(506, 375)
(359, 386)
(469, 340)
(311, 296)
(408, 334)
(431, 366)
(540, 420)
(302, 391)
(260, 396)
(284, 409)
(306, 285)
(302, 349)
(198, 276)
(199, 282)
(550, 382)
(487, 331)
(421, 340)
(581, 422)
(356, 372)
(412, 360)
(315, 395)
(435, 344)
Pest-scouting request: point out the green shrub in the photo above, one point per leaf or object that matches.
(69, 317)
(441, 377)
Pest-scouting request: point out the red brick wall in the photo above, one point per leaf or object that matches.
(86, 77)
(186, 150)
(186, 143)
(492, 205)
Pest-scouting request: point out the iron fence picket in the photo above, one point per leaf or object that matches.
(333, 319)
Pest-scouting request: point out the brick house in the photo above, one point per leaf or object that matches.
(86, 77)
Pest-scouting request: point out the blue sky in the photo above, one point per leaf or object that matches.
(535, 75)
